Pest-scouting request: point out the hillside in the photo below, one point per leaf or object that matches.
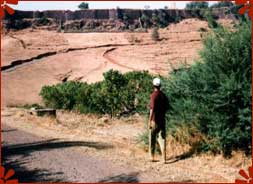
(32, 58)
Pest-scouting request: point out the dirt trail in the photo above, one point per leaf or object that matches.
(125, 151)
(110, 59)
(20, 40)
(26, 153)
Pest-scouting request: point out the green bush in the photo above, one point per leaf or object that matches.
(43, 21)
(214, 95)
(83, 6)
(197, 5)
(138, 87)
(222, 4)
(61, 96)
(155, 34)
(145, 20)
(116, 94)
(210, 18)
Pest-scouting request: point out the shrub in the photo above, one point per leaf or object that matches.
(163, 18)
(155, 19)
(61, 96)
(197, 5)
(113, 89)
(214, 95)
(222, 4)
(207, 14)
(83, 6)
(145, 20)
(116, 94)
(43, 21)
(138, 87)
(155, 34)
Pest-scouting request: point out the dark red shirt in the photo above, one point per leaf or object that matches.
(159, 104)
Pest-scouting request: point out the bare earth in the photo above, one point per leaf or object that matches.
(54, 56)
(84, 148)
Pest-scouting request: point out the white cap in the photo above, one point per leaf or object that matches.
(156, 82)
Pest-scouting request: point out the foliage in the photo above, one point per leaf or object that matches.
(214, 95)
(61, 96)
(155, 19)
(155, 34)
(163, 18)
(116, 94)
(145, 20)
(159, 19)
(43, 21)
(207, 14)
(125, 17)
(83, 6)
(235, 11)
(197, 5)
(222, 4)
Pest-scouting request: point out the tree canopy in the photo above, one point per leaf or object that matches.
(83, 6)
(222, 4)
(197, 5)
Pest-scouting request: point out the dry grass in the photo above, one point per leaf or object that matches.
(122, 133)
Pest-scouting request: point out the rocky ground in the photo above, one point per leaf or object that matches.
(32, 58)
(84, 148)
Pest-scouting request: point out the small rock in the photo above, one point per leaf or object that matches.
(137, 115)
(104, 119)
(20, 114)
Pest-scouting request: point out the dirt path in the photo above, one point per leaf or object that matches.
(110, 59)
(107, 55)
(41, 159)
(112, 144)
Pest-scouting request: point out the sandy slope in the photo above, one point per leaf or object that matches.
(85, 56)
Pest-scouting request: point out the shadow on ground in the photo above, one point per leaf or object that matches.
(183, 156)
(9, 130)
(16, 157)
(125, 178)
(27, 148)
(27, 175)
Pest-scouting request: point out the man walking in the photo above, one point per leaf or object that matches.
(158, 108)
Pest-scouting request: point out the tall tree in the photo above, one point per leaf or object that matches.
(83, 6)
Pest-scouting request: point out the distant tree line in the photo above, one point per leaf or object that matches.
(83, 6)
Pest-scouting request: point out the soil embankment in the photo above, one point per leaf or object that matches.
(33, 58)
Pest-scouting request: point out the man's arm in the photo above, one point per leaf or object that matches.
(151, 114)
